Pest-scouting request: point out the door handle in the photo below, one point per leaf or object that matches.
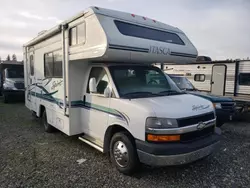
(84, 98)
(212, 82)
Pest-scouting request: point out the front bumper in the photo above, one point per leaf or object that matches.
(169, 154)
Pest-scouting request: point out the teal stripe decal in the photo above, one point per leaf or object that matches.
(80, 104)
(47, 97)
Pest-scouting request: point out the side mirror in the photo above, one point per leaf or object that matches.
(107, 92)
(92, 85)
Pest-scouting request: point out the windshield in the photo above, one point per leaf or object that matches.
(15, 73)
(142, 81)
(183, 83)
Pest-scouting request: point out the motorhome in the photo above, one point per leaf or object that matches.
(230, 78)
(11, 80)
(92, 76)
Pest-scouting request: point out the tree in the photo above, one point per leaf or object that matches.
(8, 57)
(14, 57)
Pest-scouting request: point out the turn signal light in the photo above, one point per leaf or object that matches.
(163, 138)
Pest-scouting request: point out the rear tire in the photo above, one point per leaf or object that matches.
(123, 153)
(33, 114)
(47, 127)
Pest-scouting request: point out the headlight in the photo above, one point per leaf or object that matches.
(161, 123)
(8, 85)
(217, 105)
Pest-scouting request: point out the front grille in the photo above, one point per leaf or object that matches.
(19, 85)
(191, 136)
(227, 106)
(195, 119)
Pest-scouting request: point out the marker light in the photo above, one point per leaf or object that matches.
(163, 138)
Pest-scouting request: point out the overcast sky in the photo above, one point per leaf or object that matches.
(218, 28)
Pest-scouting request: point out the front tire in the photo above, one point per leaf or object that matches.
(123, 153)
(47, 127)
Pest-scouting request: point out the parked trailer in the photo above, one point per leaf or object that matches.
(91, 76)
(223, 78)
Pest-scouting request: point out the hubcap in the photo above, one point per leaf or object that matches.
(120, 152)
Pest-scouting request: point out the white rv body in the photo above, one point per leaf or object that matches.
(59, 65)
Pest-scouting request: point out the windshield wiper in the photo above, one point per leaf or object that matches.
(171, 92)
(139, 94)
(190, 89)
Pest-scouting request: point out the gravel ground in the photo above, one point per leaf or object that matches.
(31, 158)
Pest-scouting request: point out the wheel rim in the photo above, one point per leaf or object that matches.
(120, 152)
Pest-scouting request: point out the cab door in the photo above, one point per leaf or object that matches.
(97, 104)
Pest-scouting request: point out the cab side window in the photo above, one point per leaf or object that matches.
(101, 79)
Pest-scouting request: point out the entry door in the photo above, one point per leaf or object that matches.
(97, 104)
(31, 81)
(218, 79)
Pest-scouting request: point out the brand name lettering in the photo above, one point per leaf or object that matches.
(199, 107)
(55, 84)
(160, 50)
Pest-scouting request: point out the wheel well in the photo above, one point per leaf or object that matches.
(110, 132)
(42, 109)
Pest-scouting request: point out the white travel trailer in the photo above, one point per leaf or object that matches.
(91, 76)
(222, 78)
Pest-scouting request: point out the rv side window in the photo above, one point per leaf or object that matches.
(199, 77)
(147, 33)
(101, 79)
(31, 65)
(57, 60)
(53, 64)
(48, 65)
(72, 36)
(81, 33)
(244, 79)
(77, 34)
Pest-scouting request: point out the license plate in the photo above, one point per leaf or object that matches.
(230, 117)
